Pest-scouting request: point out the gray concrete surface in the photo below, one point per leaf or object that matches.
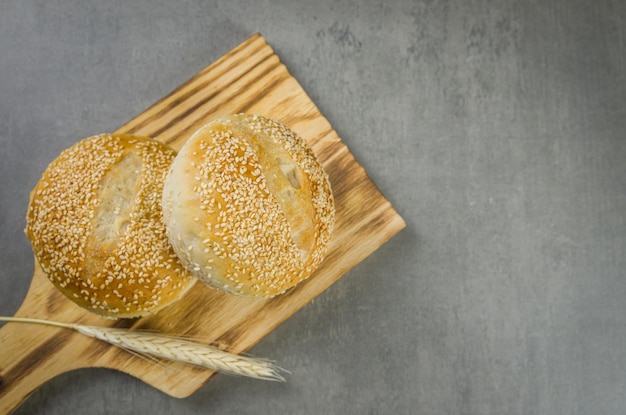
(497, 130)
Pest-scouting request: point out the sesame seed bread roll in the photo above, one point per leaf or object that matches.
(247, 206)
(95, 224)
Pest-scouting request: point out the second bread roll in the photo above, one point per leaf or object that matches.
(248, 207)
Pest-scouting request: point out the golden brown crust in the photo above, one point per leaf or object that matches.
(248, 207)
(95, 224)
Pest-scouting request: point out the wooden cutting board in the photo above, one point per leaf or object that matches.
(251, 79)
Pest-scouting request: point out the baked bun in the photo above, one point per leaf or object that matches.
(247, 206)
(95, 224)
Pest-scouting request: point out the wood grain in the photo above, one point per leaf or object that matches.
(251, 79)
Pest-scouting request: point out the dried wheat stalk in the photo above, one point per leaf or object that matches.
(172, 348)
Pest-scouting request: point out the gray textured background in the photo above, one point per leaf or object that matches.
(497, 130)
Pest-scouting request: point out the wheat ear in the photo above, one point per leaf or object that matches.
(171, 348)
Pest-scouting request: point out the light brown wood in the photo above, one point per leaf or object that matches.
(251, 79)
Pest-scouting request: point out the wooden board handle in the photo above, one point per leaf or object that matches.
(32, 354)
(23, 363)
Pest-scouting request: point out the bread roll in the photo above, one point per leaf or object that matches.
(248, 207)
(95, 224)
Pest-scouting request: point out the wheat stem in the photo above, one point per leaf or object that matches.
(171, 348)
(37, 321)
